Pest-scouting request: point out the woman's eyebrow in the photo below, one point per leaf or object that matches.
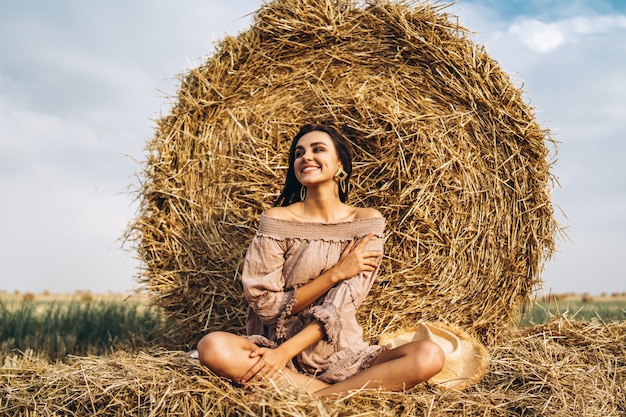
(312, 144)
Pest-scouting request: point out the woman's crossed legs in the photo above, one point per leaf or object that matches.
(397, 369)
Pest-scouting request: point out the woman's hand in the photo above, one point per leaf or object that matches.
(270, 362)
(355, 259)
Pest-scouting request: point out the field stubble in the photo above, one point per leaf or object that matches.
(82, 323)
(57, 325)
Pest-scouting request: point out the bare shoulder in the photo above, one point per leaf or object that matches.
(281, 213)
(367, 213)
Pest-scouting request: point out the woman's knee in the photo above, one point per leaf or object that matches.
(213, 349)
(433, 357)
(225, 354)
(429, 359)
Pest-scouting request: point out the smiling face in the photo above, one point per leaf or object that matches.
(332, 152)
(316, 160)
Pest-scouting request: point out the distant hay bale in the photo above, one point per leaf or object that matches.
(563, 368)
(29, 296)
(444, 145)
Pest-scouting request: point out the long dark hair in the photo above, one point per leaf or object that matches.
(291, 190)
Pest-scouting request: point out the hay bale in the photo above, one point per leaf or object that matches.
(444, 145)
(564, 368)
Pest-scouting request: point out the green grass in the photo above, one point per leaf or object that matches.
(607, 311)
(59, 328)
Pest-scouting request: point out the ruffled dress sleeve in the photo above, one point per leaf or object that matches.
(263, 280)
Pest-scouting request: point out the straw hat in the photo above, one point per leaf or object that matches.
(466, 359)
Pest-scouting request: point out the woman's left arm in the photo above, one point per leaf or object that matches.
(343, 299)
(273, 360)
(360, 285)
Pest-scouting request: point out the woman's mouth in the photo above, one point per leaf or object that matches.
(307, 170)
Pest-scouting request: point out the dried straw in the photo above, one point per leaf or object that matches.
(563, 368)
(444, 145)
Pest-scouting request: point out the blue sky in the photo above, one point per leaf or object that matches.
(82, 82)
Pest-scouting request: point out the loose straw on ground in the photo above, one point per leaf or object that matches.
(563, 368)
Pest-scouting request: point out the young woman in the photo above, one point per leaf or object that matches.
(309, 267)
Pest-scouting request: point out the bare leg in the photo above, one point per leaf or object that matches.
(228, 355)
(396, 369)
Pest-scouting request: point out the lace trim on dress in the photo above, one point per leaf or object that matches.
(328, 316)
(281, 330)
(262, 341)
(367, 362)
(351, 365)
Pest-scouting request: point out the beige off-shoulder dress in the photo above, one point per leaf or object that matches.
(286, 254)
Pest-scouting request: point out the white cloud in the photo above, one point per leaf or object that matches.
(589, 25)
(538, 36)
(546, 37)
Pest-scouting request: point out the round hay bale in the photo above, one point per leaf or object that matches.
(444, 146)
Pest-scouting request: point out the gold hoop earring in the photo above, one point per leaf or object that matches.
(302, 193)
(341, 176)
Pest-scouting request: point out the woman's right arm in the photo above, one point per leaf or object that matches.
(353, 261)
